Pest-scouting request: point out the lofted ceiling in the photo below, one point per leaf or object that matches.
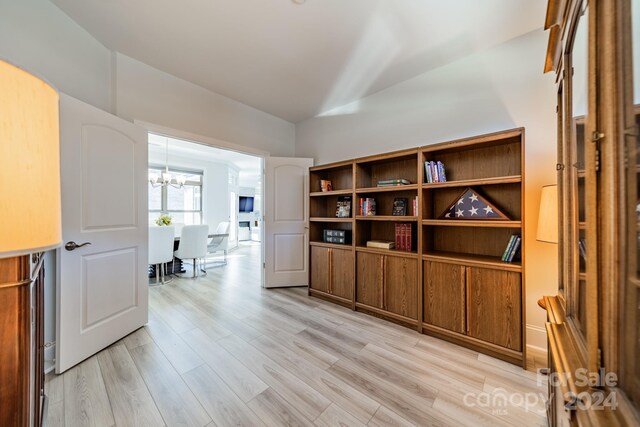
(296, 61)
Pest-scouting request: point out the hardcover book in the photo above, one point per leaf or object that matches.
(399, 206)
(381, 244)
(343, 208)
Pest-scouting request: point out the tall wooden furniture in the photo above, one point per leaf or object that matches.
(593, 323)
(452, 283)
(22, 341)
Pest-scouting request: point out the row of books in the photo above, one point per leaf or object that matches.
(512, 248)
(403, 237)
(343, 207)
(434, 172)
(367, 206)
(400, 206)
(393, 182)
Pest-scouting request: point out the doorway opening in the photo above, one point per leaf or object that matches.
(205, 184)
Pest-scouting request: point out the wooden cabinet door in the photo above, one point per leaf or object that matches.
(444, 296)
(401, 286)
(494, 306)
(319, 269)
(369, 279)
(342, 273)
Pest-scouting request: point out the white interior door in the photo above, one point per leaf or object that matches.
(102, 287)
(286, 221)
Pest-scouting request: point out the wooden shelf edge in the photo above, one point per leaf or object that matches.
(391, 252)
(408, 187)
(329, 219)
(398, 317)
(348, 247)
(506, 354)
(472, 260)
(330, 297)
(512, 179)
(386, 218)
(331, 193)
(472, 223)
(489, 138)
(382, 157)
(336, 165)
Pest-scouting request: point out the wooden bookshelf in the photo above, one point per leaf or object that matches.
(453, 283)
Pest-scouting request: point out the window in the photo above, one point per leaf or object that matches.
(183, 204)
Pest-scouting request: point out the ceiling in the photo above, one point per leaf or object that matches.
(249, 167)
(296, 61)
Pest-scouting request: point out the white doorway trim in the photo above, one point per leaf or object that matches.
(221, 144)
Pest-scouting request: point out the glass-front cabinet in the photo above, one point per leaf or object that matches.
(594, 321)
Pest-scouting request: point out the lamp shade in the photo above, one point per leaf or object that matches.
(548, 217)
(30, 212)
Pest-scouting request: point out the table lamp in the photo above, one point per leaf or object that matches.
(548, 216)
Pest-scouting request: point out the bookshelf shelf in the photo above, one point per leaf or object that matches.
(472, 223)
(330, 219)
(331, 193)
(387, 218)
(514, 179)
(582, 225)
(472, 260)
(392, 252)
(330, 245)
(407, 187)
(453, 276)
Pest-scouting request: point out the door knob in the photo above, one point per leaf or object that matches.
(70, 246)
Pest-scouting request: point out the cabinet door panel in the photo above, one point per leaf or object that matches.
(401, 286)
(342, 273)
(369, 279)
(494, 306)
(444, 295)
(319, 269)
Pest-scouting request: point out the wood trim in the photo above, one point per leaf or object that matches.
(330, 297)
(331, 245)
(473, 261)
(489, 138)
(472, 223)
(331, 165)
(555, 13)
(471, 182)
(387, 156)
(388, 252)
(330, 193)
(387, 314)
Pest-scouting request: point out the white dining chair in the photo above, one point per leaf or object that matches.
(219, 243)
(193, 244)
(161, 250)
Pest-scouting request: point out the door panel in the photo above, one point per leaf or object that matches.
(102, 287)
(286, 221)
(319, 269)
(342, 273)
(444, 295)
(401, 286)
(494, 306)
(369, 279)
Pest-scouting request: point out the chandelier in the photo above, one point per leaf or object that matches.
(166, 179)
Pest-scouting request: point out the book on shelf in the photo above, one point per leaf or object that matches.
(325, 185)
(403, 237)
(342, 237)
(367, 206)
(343, 208)
(393, 182)
(399, 206)
(415, 206)
(380, 244)
(434, 171)
(512, 248)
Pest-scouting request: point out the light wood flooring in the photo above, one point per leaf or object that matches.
(221, 351)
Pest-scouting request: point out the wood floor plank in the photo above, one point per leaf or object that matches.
(181, 356)
(273, 410)
(174, 399)
(220, 402)
(384, 417)
(172, 317)
(239, 378)
(348, 398)
(54, 390)
(335, 416)
(86, 402)
(130, 399)
(306, 399)
(137, 338)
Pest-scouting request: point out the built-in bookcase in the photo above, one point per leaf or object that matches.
(452, 284)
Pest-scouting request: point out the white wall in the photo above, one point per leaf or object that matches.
(501, 88)
(150, 95)
(37, 36)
